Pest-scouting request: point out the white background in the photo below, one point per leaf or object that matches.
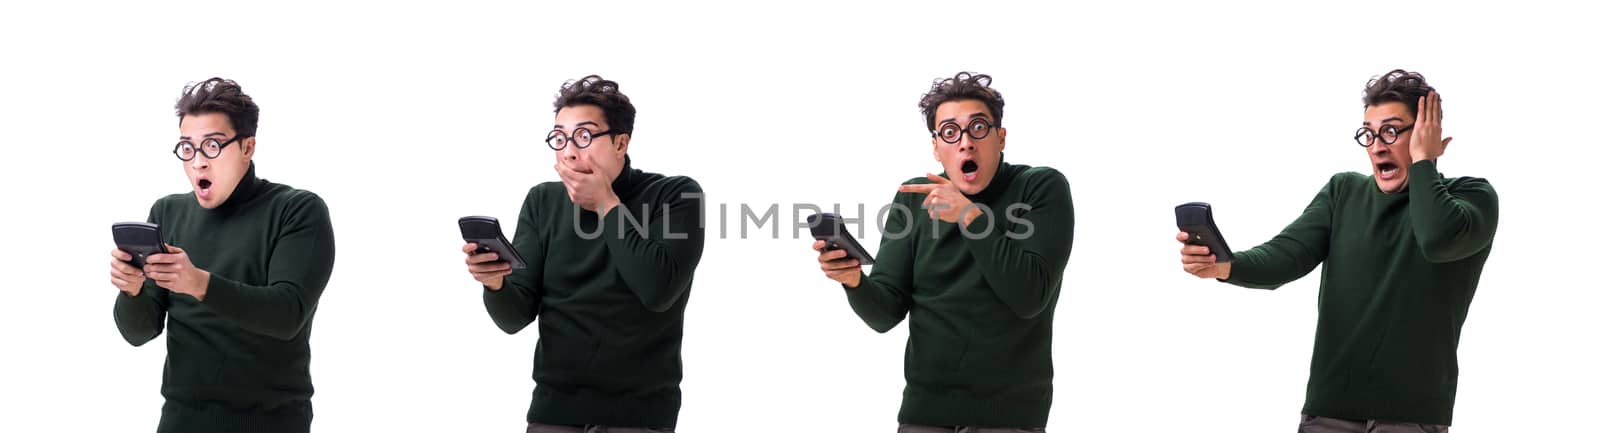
(405, 118)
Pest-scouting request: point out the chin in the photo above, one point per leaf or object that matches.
(211, 202)
(970, 188)
(1392, 186)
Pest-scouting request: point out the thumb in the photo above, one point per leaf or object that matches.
(1446, 142)
(173, 249)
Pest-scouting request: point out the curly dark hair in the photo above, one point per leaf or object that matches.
(218, 95)
(1398, 85)
(599, 92)
(963, 86)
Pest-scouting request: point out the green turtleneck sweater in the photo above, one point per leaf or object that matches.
(609, 294)
(1398, 272)
(981, 304)
(240, 361)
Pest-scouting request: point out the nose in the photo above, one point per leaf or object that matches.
(1377, 148)
(570, 152)
(968, 143)
(200, 162)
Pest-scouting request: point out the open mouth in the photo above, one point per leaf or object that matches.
(969, 170)
(203, 187)
(1388, 170)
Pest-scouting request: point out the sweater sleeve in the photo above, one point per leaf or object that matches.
(1024, 254)
(655, 249)
(142, 318)
(1451, 222)
(884, 297)
(517, 302)
(1294, 252)
(300, 264)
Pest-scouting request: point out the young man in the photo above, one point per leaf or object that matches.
(248, 261)
(611, 252)
(1401, 251)
(975, 255)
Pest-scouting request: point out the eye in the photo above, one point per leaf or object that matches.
(979, 127)
(583, 135)
(949, 132)
(212, 145)
(1389, 132)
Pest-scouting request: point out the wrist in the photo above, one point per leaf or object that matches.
(605, 206)
(970, 215)
(1420, 155)
(205, 283)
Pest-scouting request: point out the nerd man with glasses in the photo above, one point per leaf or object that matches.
(1401, 251)
(611, 252)
(974, 256)
(248, 261)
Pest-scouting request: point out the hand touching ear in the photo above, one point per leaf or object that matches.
(1425, 135)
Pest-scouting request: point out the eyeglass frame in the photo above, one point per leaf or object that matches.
(200, 150)
(963, 132)
(1378, 135)
(574, 139)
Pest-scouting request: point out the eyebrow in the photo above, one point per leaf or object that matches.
(974, 115)
(580, 124)
(1394, 118)
(185, 137)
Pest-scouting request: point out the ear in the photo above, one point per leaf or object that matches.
(936, 155)
(1002, 139)
(249, 147)
(622, 143)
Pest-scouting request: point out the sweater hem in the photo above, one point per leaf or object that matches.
(555, 407)
(972, 412)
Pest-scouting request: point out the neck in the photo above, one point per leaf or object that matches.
(248, 187)
(626, 179)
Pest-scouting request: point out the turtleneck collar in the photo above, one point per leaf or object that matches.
(997, 186)
(248, 187)
(628, 180)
